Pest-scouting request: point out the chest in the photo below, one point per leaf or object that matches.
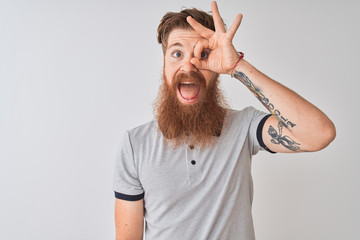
(166, 172)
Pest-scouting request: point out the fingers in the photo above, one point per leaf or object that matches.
(199, 64)
(201, 53)
(234, 26)
(196, 62)
(219, 25)
(199, 48)
(203, 31)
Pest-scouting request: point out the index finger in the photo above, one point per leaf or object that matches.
(203, 31)
(201, 46)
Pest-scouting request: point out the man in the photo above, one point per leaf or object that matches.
(188, 172)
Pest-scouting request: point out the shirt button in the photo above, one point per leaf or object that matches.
(193, 162)
(191, 146)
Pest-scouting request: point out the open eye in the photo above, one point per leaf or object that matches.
(176, 54)
(205, 54)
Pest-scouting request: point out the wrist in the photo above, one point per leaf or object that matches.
(237, 63)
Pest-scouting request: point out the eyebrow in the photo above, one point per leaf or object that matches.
(175, 44)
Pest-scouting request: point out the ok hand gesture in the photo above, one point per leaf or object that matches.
(222, 56)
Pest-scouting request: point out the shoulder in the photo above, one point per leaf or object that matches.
(143, 133)
(244, 120)
(244, 115)
(143, 130)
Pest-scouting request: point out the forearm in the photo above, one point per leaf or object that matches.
(308, 124)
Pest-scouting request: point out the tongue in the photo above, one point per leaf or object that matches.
(189, 91)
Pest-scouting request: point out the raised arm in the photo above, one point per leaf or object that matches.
(129, 219)
(296, 125)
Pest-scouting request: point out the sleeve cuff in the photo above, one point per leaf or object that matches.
(129, 197)
(259, 133)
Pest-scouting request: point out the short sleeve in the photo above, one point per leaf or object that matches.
(126, 182)
(255, 132)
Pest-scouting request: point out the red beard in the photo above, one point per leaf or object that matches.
(198, 123)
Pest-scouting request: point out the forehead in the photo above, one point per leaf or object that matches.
(183, 37)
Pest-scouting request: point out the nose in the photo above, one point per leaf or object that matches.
(187, 66)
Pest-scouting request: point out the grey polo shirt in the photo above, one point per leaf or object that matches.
(192, 194)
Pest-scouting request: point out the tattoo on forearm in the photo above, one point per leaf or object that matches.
(264, 100)
(286, 141)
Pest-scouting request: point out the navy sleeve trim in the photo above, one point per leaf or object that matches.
(129, 197)
(259, 133)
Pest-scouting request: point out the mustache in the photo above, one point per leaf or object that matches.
(193, 77)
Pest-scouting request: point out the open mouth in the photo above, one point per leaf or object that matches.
(189, 91)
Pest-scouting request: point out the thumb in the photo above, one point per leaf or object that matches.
(199, 64)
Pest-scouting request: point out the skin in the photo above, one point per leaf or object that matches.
(296, 125)
(129, 219)
(180, 51)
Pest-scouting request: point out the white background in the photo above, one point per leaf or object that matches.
(74, 75)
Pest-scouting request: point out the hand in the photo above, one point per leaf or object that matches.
(222, 56)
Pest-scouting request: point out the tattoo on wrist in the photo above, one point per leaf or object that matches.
(264, 100)
(286, 141)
